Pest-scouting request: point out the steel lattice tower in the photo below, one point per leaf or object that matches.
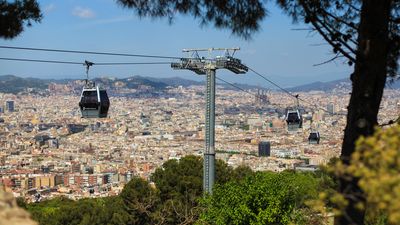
(208, 67)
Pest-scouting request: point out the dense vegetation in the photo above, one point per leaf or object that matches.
(265, 198)
(241, 196)
(376, 165)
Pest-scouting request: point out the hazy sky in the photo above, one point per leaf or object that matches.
(277, 51)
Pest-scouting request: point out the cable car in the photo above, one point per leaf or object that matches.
(94, 101)
(314, 137)
(294, 120)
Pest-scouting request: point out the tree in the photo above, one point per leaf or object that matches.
(265, 198)
(376, 163)
(139, 200)
(14, 16)
(180, 184)
(364, 32)
(84, 211)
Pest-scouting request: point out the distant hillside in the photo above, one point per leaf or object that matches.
(336, 84)
(130, 82)
(322, 86)
(14, 84)
(175, 81)
(242, 86)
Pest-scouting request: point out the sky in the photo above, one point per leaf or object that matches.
(278, 51)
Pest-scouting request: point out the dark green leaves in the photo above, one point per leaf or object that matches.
(14, 15)
(241, 17)
(265, 198)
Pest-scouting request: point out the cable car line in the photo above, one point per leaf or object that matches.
(89, 52)
(82, 63)
(132, 63)
(286, 91)
(233, 85)
(314, 136)
(273, 83)
(239, 88)
(42, 61)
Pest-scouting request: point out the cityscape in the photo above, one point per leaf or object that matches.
(49, 150)
(125, 112)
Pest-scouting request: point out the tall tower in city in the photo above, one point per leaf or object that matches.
(9, 106)
(264, 148)
(330, 108)
(261, 98)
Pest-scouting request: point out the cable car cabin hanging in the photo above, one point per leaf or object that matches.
(94, 102)
(294, 120)
(314, 137)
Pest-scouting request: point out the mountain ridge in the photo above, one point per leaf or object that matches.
(14, 84)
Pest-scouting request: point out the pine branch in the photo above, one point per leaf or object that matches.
(324, 35)
(351, 25)
(333, 32)
(329, 60)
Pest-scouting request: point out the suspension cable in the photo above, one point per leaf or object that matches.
(42, 61)
(83, 63)
(89, 52)
(287, 92)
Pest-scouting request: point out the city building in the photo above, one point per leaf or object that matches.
(330, 108)
(264, 148)
(9, 106)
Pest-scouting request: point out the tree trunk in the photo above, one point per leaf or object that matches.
(368, 82)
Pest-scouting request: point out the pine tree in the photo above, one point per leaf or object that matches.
(14, 15)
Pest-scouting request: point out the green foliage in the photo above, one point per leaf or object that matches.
(265, 198)
(85, 211)
(46, 211)
(245, 127)
(241, 172)
(139, 201)
(21, 202)
(375, 166)
(181, 186)
(241, 17)
(14, 15)
(178, 178)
